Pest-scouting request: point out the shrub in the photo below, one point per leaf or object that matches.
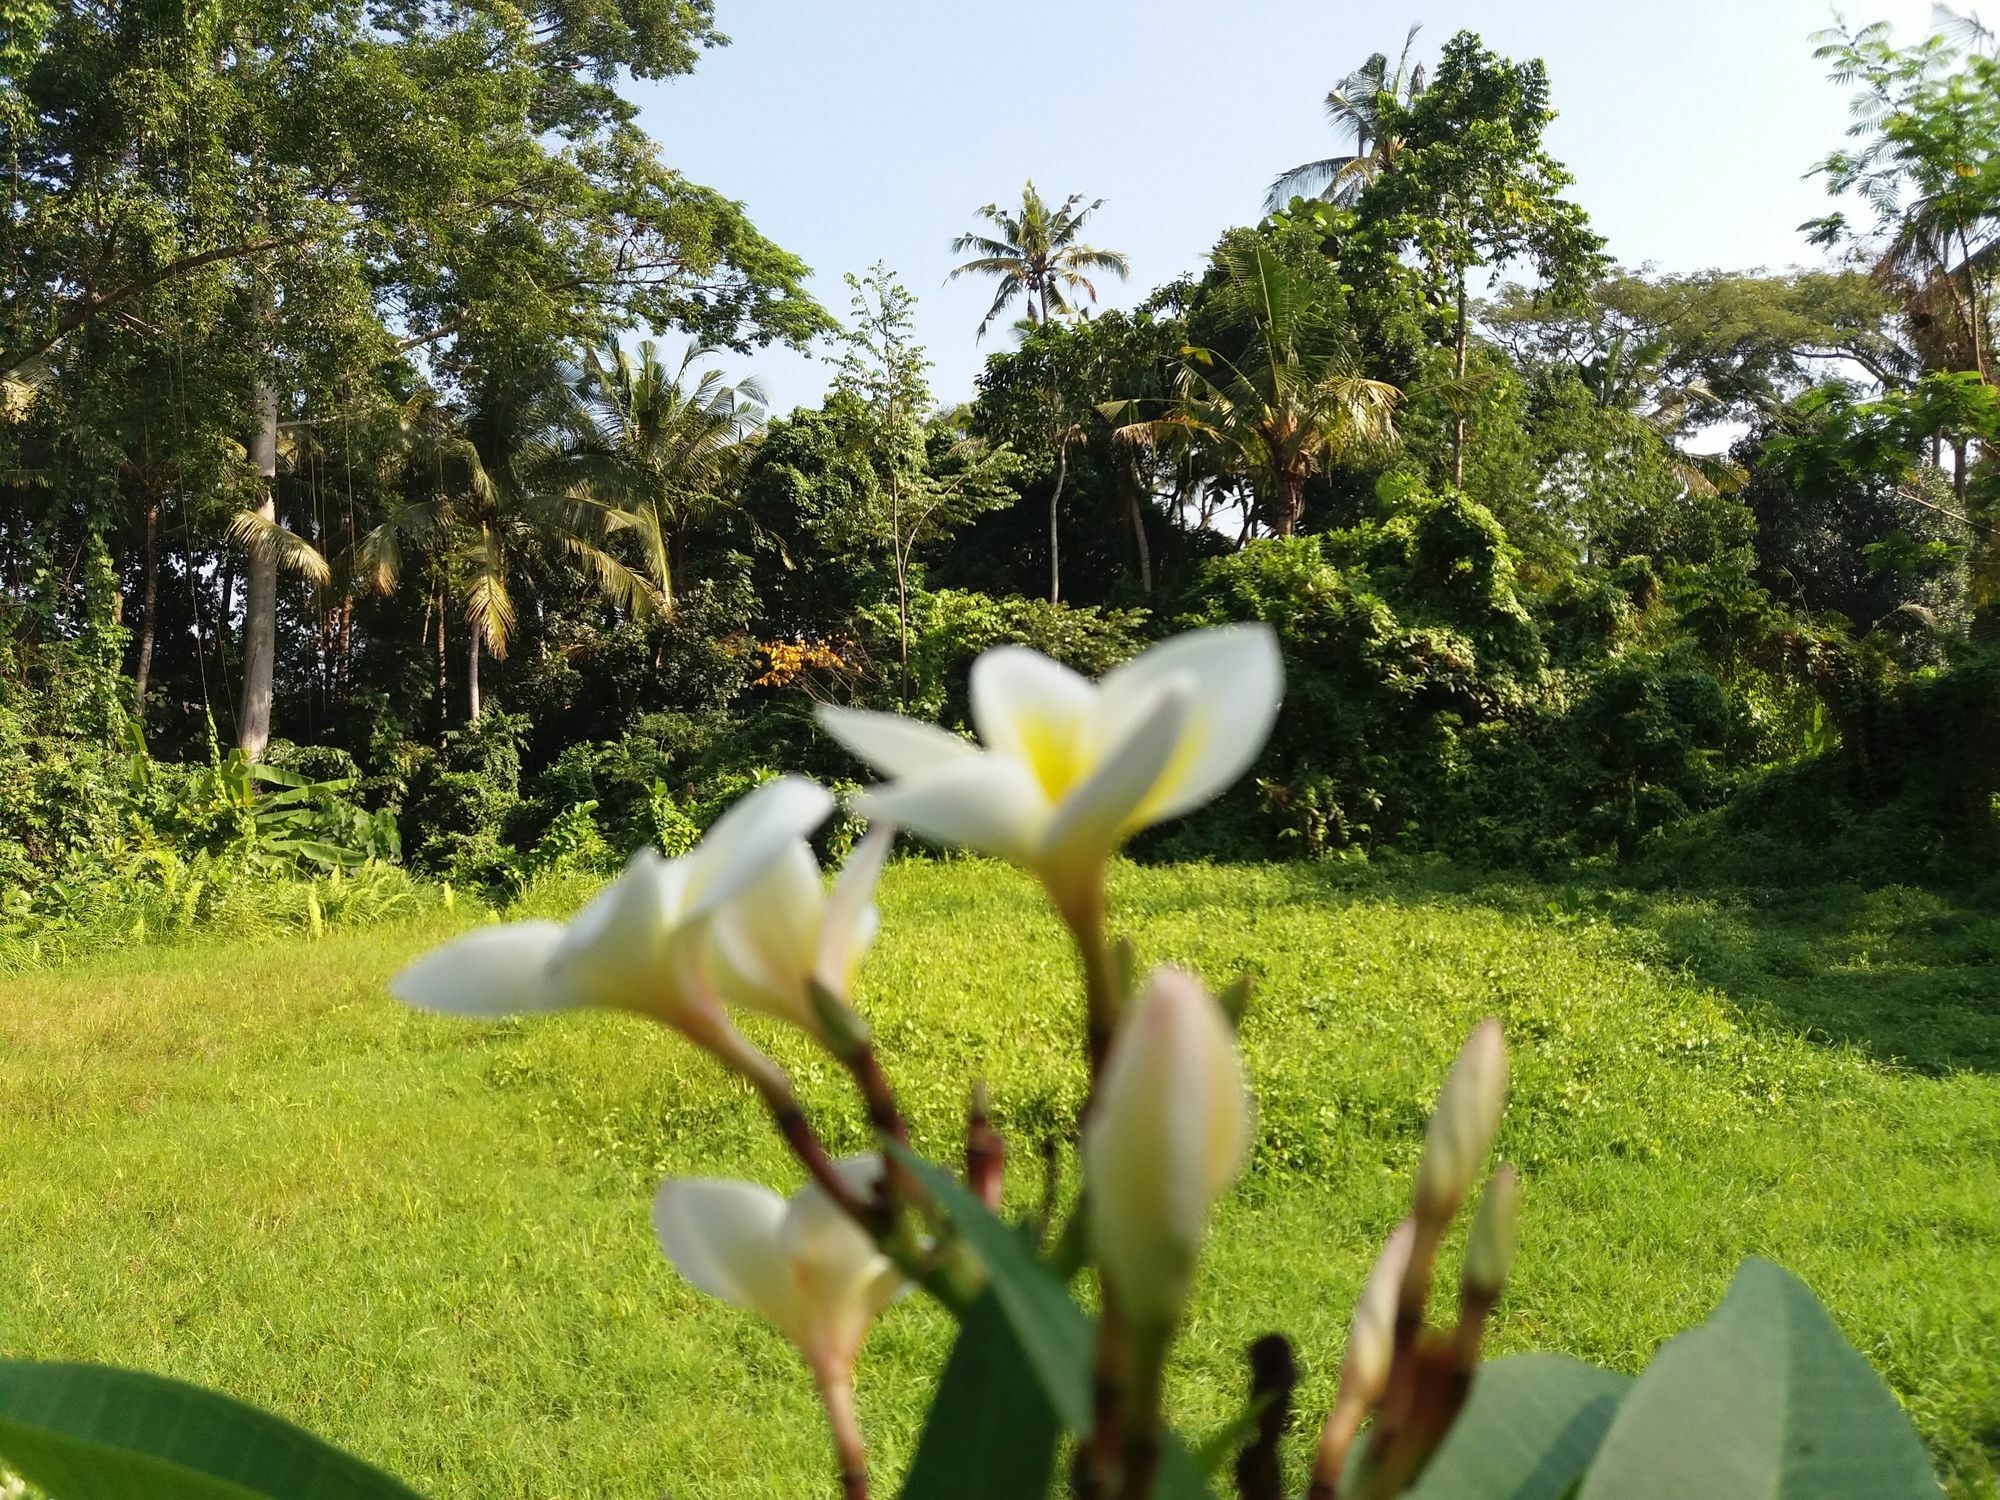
(950, 627)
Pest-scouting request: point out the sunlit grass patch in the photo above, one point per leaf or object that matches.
(429, 1240)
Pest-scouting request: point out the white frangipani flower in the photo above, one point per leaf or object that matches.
(802, 1265)
(1070, 769)
(1167, 1132)
(788, 932)
(636, 945)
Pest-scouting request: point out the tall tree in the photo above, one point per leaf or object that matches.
(481, 486)
(1055, 381)
(1927, 168)
(451, 181)
(1352, 105)
(1293, 403)
(1474, 187)
(934, 476)
(1035, 253)
(656, 447)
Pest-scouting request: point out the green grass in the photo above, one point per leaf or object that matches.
(429, 1241)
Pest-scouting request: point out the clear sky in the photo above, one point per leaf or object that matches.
(874, 129)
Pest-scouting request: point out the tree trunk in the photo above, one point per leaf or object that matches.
(260, 593)
(441, 696)
(1291, 503)
(1975, 317)
(148, 600)
(472, 679)
(676, 567)
(902, 591)
(344, 658)
(1055, 510)
(1128, 481)
(1458, 371)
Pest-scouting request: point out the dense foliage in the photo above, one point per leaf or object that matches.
(321, 459)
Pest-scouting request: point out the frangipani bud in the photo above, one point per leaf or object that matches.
(1371, 1339)
(1167, 1133)
(1463, 1124)
(1489, 1252)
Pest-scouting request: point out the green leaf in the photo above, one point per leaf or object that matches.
(1764, 1400)
(1528, 1431)
(319, 851)
(1181, 1476)
(1054, 1333)
(276, 775)
(89, 1432)
(991, 1433)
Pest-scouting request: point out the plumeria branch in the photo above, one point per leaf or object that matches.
(1414, 1379)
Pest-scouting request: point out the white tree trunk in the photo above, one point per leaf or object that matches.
(260, 593)
(472, 679)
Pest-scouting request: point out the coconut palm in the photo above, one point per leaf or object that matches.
(478, 487)
(1035, 253)
(652, 448)
(1293, 403)
(1351, 106)
(1627, 376)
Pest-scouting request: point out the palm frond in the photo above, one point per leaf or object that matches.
(623, 586)
(1309, 179)
(260, 534)
(489, 606)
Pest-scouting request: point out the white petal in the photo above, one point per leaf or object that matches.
(726, 1237)
(768, 938)
(493, 971)
(614, 953)
(740, 847)
(1238, 679)
(849, 924)
(1034, 709)
(1102, 809)
(843, 1279)
(893, 745)
(989, 803)
(818, 1229)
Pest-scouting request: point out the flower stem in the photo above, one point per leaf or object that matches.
(946, 1272)
(836, 1394)
(1099, 1452)
(1083, 912)
(985, 1151)
(1144, 1393)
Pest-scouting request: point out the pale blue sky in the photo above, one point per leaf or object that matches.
(873, 129)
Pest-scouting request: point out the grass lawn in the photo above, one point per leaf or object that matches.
(430, 1241)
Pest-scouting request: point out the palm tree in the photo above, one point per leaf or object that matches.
(1351, 106)
(1036, 252)
(480, 486)
(1292, 404)
(272, 548)
(1627, 377)
(653, 448)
